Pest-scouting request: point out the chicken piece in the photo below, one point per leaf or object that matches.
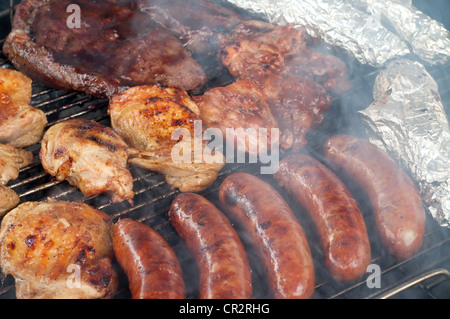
(326, 69)
(237, 108)
(260, 45)
(20, 124)
(296, 102)
(90, 156)
(8, 199)
(12, 159)
(59, 250)
(162, 128)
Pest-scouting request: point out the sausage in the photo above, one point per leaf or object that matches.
(338, 219)
(397, 205)
(219, 253)
(150, 264)
(274, 231)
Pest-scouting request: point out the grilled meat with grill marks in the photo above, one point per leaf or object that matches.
(20, 124)
(58, 250)
(90, 156)
(159, 124)
(115, 47)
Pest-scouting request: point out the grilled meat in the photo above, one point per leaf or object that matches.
(259, 45)
(58, 250)
(20, 124)
(115, 47)
(160, 123)
(238, 106)
(90, 156)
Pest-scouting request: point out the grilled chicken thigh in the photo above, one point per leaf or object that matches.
(90, 156)
(162, 126)
(58, 250)
(20, 124)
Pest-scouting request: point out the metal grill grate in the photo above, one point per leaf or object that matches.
(425, 275)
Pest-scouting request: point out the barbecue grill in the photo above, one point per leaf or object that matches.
(424, 276)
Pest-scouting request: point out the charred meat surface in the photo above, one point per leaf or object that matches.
(90, 156)
(43, 244)
(20, 124)
(162, 125)
(115, 47)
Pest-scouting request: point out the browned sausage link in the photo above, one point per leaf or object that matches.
(150, 264)
(220, 255)
(398, 209)
(338, 219)
(275, 232)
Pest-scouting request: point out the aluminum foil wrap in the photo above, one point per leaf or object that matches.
(428, 38)
(337, 23)
(407, 120)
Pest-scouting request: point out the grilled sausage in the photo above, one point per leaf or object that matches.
(338, 219)
(150, 264)
(398, 209)
(220, 255)
(275, 232)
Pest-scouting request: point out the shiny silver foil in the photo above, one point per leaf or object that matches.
(407, 120)
(335, 22)
(428, 38)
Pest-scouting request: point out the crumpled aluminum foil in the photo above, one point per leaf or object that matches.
(428, 38)
(408, 121)
(337, 23)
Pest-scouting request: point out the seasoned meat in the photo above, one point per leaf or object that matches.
(58, 250)
(240, 105)
(12, 159)
(296, 102)
(260, 45)
(115, 47)
(90, 156)
(324, 68)
(160, 123)
(20, 124)
(8, 199)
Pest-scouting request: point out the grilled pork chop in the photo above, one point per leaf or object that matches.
(58, 250)
(115, 47)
